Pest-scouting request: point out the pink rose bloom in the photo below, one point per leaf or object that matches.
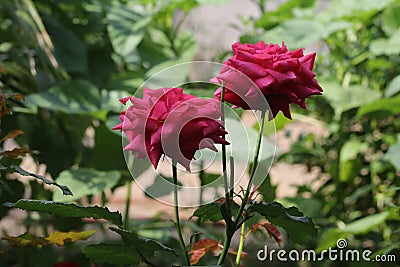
(283, 77)
(167, 121)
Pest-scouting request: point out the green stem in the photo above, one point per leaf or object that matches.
(176, 213)
(228, 234)
(127, 203)
(241, 245)
(247, 192)
(253, 169)
(226, 184)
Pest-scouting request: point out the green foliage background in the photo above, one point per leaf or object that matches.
(74, 59)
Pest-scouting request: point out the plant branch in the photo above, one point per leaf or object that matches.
(176, 213)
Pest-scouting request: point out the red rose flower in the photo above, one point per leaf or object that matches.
(168, 122)
(283, 77)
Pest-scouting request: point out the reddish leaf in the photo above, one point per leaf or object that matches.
(18, 97)
(200, 248)
(15, 152)
(11, 134)
(234, 252)
(272, 230)
(3, 105)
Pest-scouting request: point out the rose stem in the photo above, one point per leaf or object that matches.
(228, 232)
(127, 203)
(247, 192)
(241, 245)
(227, 195)
(246, 196)
(176, 213)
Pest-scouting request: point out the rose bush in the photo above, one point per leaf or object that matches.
(283, 77)
(170, 122)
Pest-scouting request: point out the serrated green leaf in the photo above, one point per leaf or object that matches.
(67, 210)
(114, 254)
(298, 227)
(65, 190)
(146, 247)
(212, 212)
(85, 182)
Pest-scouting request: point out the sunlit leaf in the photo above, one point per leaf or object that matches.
(63, 238)
(26, 239)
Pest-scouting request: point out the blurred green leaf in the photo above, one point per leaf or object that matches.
(386, 46)
(67, 210)
(284, 12)
(349, 170)
(394, 87)
(70, 50)
(343, 8)
(298, 227)
(360, 226)
(114, 254)
(391, 19)
(110, 100)
(208, 178)
(242, 140)
(393, 154)
(351, 149)
(381, 108)
(107, 153)
(212, 2)
(84, 182)
(343, 99)
(145, 246)
(126, 25)
(161, 186)
(311, 207)
(74, 97)
(174, 72)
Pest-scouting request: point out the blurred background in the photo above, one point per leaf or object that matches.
(65, 63)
